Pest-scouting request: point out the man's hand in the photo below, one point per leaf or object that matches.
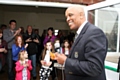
(28, 40)
(17, 32)
(61, 58)
(36, 40)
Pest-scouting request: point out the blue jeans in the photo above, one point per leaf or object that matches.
(10, 65)
(33, 60)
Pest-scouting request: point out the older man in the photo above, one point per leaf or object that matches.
(32, 40)
(88, 52)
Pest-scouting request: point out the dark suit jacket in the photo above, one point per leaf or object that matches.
(87, 55)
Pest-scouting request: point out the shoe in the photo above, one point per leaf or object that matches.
(34, 78)
(2, 71)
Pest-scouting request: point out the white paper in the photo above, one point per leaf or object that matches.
(67, 52)
(47, 56)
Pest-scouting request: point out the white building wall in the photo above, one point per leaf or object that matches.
(1, 15)
(39, 21)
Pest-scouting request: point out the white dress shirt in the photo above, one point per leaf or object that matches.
(80, 28)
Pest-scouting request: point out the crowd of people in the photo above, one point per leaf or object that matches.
(82, 59)
(13, 41)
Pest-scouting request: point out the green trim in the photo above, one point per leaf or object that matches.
(111, 68)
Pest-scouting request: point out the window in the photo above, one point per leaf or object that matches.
(107, 19)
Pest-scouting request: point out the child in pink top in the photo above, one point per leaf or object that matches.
(23, 66)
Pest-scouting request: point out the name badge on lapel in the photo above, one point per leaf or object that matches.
(76, 55)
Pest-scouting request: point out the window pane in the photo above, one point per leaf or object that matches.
(107, 20)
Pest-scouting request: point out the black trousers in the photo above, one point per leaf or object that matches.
(118, 69)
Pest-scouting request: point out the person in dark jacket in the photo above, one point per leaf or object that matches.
(39, 47)
(32, 40)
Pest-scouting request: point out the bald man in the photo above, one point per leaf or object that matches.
(88, 52)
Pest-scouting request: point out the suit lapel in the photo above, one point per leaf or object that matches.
(79, 38)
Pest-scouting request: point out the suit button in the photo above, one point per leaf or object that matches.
(70, 72)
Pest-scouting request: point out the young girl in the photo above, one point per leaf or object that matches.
(23, 66)
(66, 48)
(47, 63)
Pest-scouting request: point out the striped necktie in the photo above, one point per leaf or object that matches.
(76, 35)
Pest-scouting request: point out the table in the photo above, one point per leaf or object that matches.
(60, 71)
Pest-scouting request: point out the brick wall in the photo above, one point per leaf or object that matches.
(85, 2)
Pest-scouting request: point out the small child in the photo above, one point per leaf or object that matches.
(23, 66)
(47, 63)
(66, 48)
(57, 46)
